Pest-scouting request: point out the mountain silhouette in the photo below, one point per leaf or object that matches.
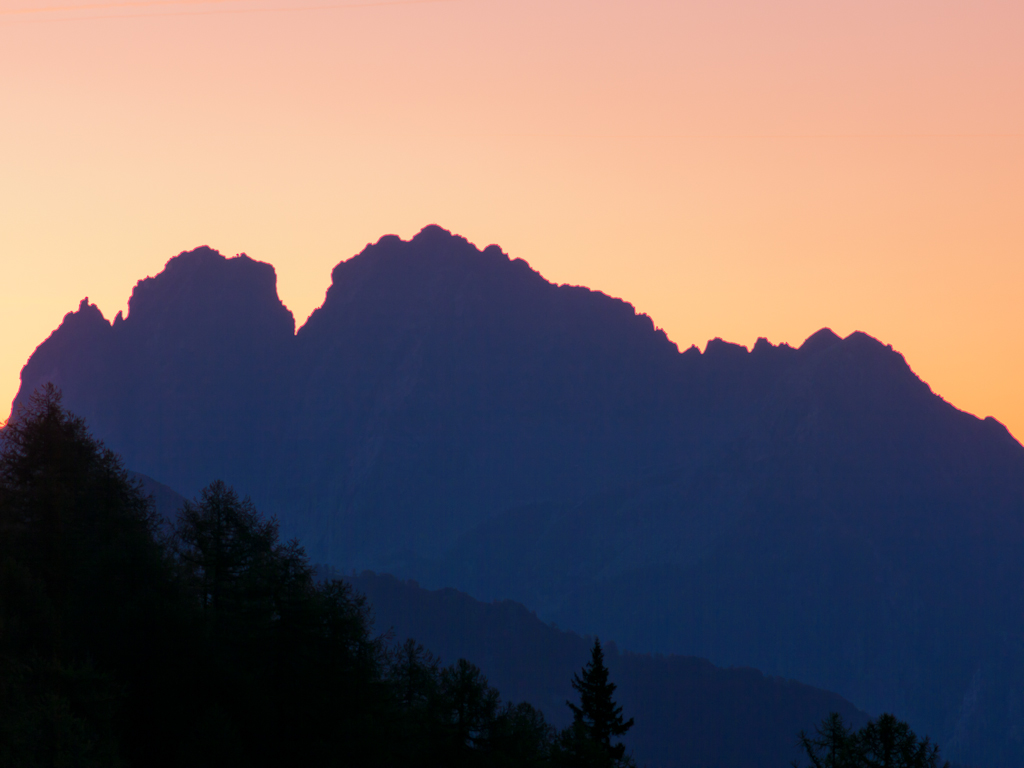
(450, 416)
(688, 712)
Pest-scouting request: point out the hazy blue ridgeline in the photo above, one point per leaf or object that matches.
(450, 416)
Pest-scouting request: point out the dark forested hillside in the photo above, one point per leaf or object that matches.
(205, 640)
(688, 712)
(448, 415)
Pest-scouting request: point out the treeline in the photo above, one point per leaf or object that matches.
(127, 640)
(885, 742)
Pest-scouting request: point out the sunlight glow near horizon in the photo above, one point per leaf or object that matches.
(732, 169)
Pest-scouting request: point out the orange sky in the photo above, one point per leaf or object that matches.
(734, 169)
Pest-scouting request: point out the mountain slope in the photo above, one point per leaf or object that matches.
(861, 535)
(450, 416)
(688, 712)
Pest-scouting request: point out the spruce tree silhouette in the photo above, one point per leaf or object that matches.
(230, 554)
(597, 719)
(832, 746)
(291, 674)
(886, 742)
(86, 600)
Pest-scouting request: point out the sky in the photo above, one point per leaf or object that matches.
(732, 168)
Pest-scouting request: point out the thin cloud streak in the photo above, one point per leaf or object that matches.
(737, 135)
(109, 6)
(25, 14)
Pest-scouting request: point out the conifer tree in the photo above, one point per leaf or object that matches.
(832, 746)
(87, 599)
(468, 706)
(886, 742)
(290, 672)
(230, 554)
(596, 720)
(127, 640)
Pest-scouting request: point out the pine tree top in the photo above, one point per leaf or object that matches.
(597, 713)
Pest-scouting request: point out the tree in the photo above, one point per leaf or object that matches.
(87, 598)
(210, 645)
(832, 746)
(468, 707)
(413, 674)
(450, 717)
(885, 742)
(596, 720)
(290, 672)
(228, 552)
(889, 743)
(521, 737)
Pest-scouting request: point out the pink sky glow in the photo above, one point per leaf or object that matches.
(734, 169)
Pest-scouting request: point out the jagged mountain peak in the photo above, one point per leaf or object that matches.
(863, 367)
(428, 263)
(87, 320)
(438, 282)
(75, 344)
(434, 244)
(449, 402)
(202, 289)
(820, 340)
(719, 349)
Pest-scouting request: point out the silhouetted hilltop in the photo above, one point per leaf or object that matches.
(859, 534)
(450, 416)
(183, 378)
(688, 712)
(453, 380)
(167, 502)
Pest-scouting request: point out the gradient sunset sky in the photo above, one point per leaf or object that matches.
(734, 169)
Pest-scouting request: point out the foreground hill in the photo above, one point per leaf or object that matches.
(688, 712)
(449, 415)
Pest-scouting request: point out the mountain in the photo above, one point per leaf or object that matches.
(688, 712)
(167, 502)
(450, 416)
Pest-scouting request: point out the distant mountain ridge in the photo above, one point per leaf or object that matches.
(688, 712)
(450, 416)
